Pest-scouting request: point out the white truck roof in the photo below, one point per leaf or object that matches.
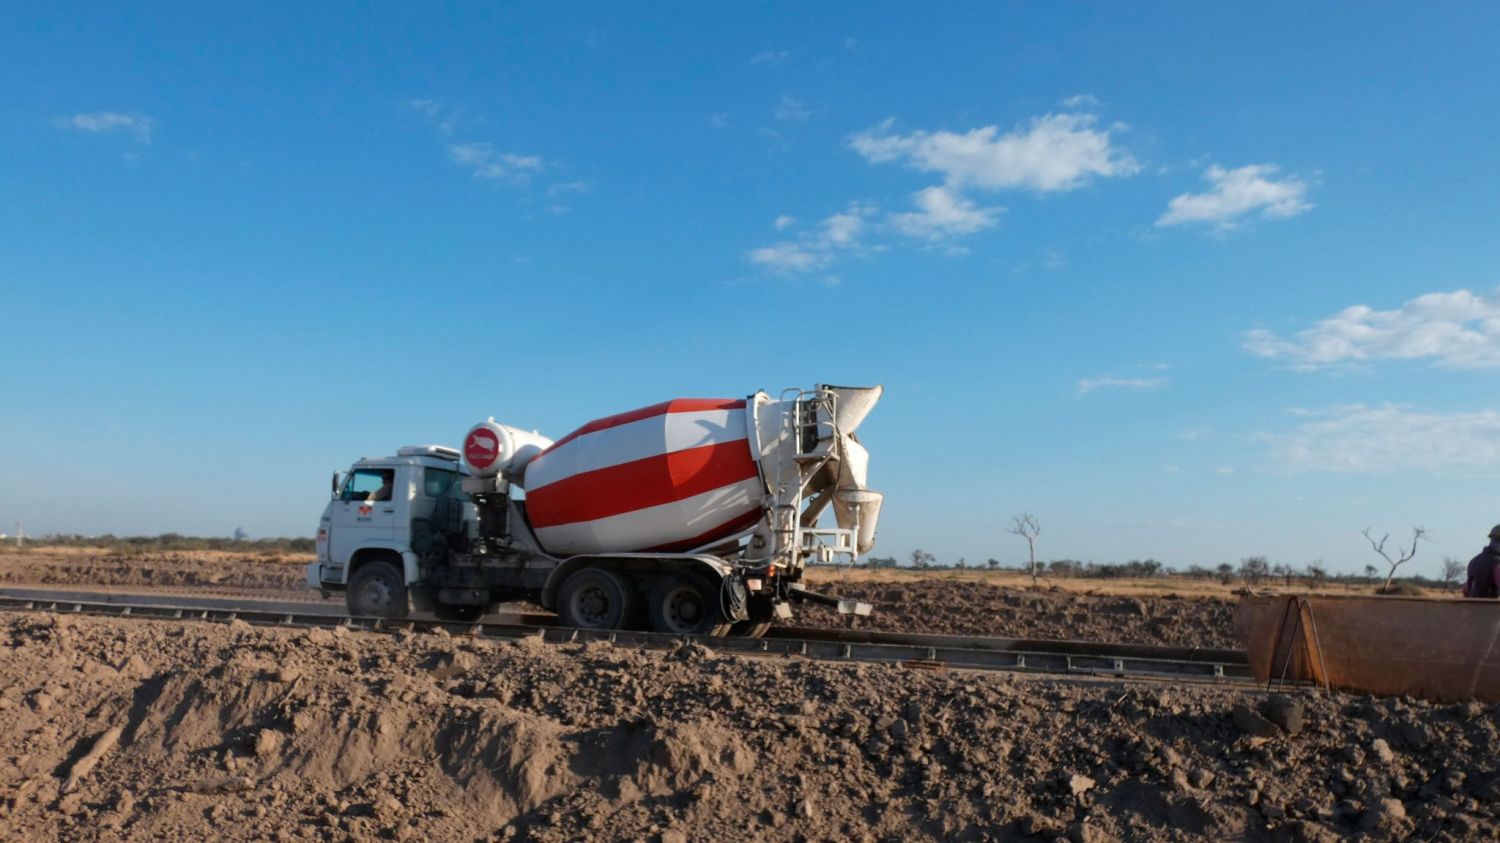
(439, 451)
(430, 456)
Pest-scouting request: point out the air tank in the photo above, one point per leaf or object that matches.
(670, 477)
(491, 449)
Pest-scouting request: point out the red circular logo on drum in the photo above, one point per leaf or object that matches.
(482, 448)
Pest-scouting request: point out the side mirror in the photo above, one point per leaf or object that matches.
(335, 485)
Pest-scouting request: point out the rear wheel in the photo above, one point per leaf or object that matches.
(684, 604)
(594, 599)
(377, 590)
(761, 612)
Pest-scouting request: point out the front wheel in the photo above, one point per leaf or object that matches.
(377, 590)
(594, 599)
(683, 604)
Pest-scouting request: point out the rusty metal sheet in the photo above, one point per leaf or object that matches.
(1435, 649)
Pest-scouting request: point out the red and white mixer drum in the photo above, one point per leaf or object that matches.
(669, 477)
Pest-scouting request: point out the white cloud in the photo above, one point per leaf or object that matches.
(489, 165)
(442, 117)
(1459, 330)
(482, 159)
(1080, 101)
(1050, 153)
(770, 57)
(943, 213)
(851, 43)
(101, 122)
(1193, 434)
(840, 232)
(784, 222)
(786, 258)
(1054, 152)
(1088, 385)
(842, 229)
(1224, 470)
(1235, 193)
(568, 187)
(791, 108)
(1390, 437)
(719, 120)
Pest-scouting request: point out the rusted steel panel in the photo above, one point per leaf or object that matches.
(1446, 650)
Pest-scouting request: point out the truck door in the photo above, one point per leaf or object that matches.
(366, 511)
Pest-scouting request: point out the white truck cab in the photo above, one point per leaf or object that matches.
(384, 508)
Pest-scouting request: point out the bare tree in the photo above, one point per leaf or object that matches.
(1452, 570)
(1028, 528)
(1253, 569)
(1316, 573)
(1226, 573)
(1369, 574)
(1402, 556)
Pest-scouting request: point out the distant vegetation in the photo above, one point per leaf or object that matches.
(170, 542)
(1251, 571)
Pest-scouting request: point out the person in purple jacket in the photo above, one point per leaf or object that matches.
(1484, 569)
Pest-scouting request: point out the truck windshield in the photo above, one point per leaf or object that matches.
(369, 484)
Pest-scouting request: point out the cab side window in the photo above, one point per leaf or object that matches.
(437, 483)
(369, 484)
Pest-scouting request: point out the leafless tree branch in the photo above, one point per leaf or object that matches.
(1028, 527)
(1402, 556)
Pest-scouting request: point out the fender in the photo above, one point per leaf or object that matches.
(409, 560)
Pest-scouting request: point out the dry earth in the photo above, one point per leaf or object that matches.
(281, 577)
(977, 607)
(966, 606)
(176, 731)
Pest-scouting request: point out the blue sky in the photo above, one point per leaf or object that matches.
(1194, 282)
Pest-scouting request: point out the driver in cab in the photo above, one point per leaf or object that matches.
(387, 480)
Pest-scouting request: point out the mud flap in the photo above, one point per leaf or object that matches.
(734, 599)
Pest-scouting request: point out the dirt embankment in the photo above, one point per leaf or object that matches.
(274, 576)
(958, 607)
(182, 731)
(970, 607)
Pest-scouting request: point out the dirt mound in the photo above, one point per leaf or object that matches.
(970, 607)
(277, 576)
(957, 607)
(185, 730)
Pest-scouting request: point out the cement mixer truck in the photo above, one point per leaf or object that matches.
(693, 516)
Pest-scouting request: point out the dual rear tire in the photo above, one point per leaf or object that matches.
(761, 614)
(677, 604)
(685, 604)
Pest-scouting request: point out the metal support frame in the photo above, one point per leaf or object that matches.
(1305, 627)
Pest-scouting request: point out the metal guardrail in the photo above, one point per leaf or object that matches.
(935, 652)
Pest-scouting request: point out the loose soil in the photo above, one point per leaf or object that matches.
(958, 606)
(969, 607)
(115, 729)
(266, 576)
